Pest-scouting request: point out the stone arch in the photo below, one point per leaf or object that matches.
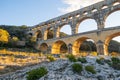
(49, 33)
(57, 47)
(77, 44)
(83, 24)
(66, 29)
(44, 47)
(107, 41)
(110, 18)
(38, 35)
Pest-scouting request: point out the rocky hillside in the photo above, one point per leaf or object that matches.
(65, 70)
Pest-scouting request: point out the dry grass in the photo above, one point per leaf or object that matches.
(10, 59)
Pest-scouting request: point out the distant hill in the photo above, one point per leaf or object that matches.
(114, 46)
(50, 34)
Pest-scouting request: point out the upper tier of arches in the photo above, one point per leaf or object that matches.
(96, 17)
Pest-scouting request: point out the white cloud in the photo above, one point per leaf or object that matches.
(76, 4)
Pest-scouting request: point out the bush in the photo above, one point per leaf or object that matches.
(100, 61)
(90, 69)
(94, 54)
(108, 62)
(77, 68)
(115, 60)
(51, 58)
(71, 58)
(116, 66)
(36, 73)
(82, 60)
(115, 63)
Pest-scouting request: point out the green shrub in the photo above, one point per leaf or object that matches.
(90, 69)
(115, 60)
(77, 68)
(36, 73)
(108, 62)
(116, 66)
(71, 58)
(115, 63)
(82, 60)
(100, 61)
(51, 58)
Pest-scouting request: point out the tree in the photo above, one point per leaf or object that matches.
(4, 37)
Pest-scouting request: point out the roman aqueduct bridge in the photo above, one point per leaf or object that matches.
(101, 36)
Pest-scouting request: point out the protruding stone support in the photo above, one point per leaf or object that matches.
(101, 25)
(69, 48)
(45, 35)
(100, 22)
(49, 49)
(100, 47)
(57, 32)
(45, 31)
(74, 29)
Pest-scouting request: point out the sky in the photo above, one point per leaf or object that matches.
(32, 12)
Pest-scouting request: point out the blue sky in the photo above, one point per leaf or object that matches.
(28, 12)
(32, 12)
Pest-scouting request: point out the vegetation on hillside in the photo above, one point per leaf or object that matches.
(15, 31)
(114, 46)
(4, 37)
(88, 46)
(35, 74)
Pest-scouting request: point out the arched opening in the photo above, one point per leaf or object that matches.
(44, 47)
(49, 33)
(116, 3)
(113, 19)
(87, 25)
(112, 44)
(30, 34)
(59, 47)
(38, 35)
(88, 45)
(64, 30)
(84, 46)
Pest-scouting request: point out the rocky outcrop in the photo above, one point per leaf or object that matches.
(62, 70)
